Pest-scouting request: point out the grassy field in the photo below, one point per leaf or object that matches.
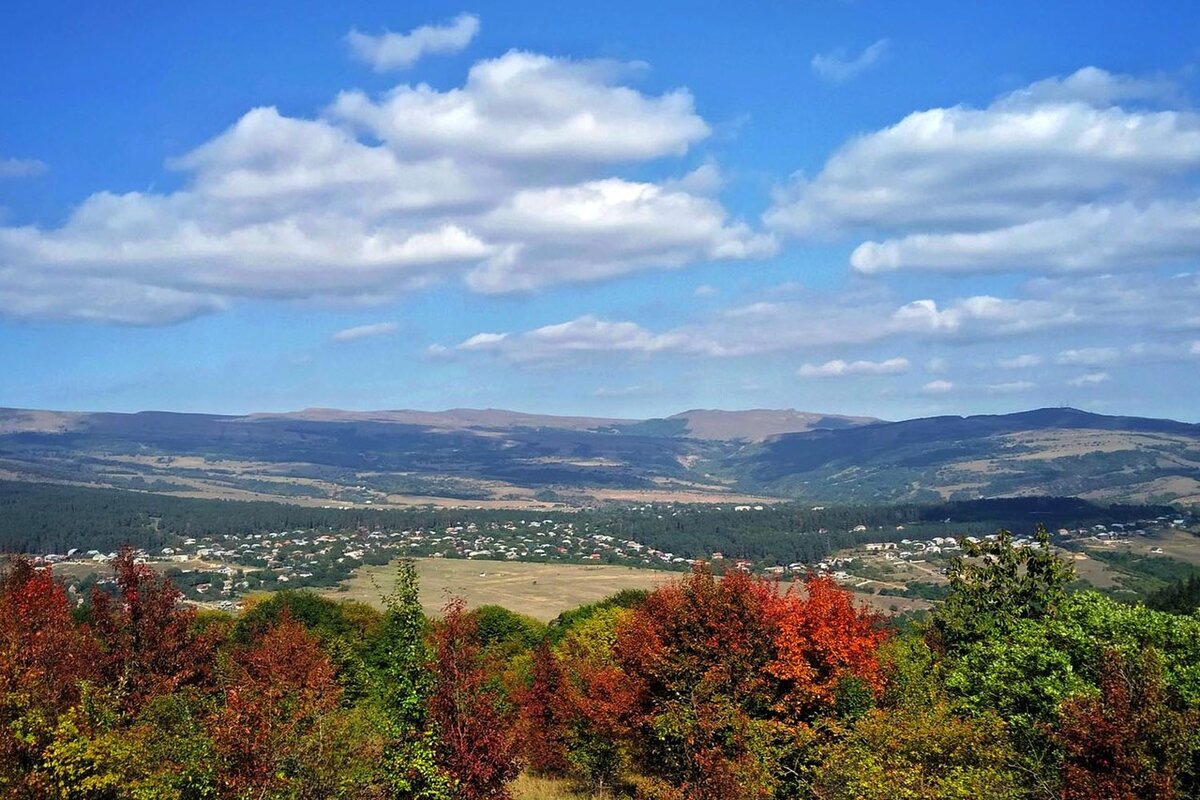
(542, 591)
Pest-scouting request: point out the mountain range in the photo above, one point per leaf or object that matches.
(496, 457)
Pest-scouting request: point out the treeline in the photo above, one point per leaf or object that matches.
(786, 533)
(50, 518)
(710, 688)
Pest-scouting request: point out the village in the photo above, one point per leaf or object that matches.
(218, 570)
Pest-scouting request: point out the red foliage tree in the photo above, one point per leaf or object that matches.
(150, 645)
(543, 719)
(729, 671)
(821, 639)
(276, 695)
(474, 726)
(1128, 743)
(44, 656)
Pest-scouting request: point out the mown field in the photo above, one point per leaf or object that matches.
(542, 591)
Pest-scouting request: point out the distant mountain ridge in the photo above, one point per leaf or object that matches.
(321, 456)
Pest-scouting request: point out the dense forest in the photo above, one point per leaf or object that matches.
(710, 688)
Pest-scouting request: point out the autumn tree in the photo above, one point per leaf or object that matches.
(597, 699)
(45, 659)
(730, 673)
(468, 710)
(1130, 741)
(279, 728)
(151, 647)
(543, 717)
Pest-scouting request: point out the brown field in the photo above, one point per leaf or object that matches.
(1179, 545)
(542, 591)
(1092, 570)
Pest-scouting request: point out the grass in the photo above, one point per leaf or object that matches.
(528, 787)
(543, 591)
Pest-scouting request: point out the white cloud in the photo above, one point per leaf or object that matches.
(1195, 348)
(1089, 238)
(1057, 177)
(524, 107)
(483, 341)
(938, 387)
(839, 368)
(21, 167)
(1022, 361)
(838, 66)
(1092, 86)
(364, 332)
(705, 290)
(936, 365)
(1011, 387)
(606, 228)
(637, 390)
(1089, 356)
(504, 183)
(1089, 379)
(392, 51)
(806, 323)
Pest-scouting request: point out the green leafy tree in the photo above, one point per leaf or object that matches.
(404, 684)
(996, 583)
(919, 753)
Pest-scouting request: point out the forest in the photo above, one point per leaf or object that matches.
(714, 687)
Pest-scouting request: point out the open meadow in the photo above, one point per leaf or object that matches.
(542, 591)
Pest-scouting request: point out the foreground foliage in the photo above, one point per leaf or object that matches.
(715, 687)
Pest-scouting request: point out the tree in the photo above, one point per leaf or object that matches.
(1130, 741)
(996, 584)
(403, 686)
(543, 719)
(596, 699)
(731, 675)
(280, 695)
(45, 658)
(919, 753)
(474, 724)
(151, 647)
(823, 643)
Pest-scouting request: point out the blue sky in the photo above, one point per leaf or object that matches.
(625, 209)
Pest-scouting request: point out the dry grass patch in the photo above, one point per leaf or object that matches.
(528, 787)
(542, 591)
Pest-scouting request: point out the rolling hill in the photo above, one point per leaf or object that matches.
(489, 456)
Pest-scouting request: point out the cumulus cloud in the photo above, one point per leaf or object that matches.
(530, 107)
(839, 368)
(837, 66)
(505, 183)
(938, 387)
(392, 51)
(21, 167)
(364, 332)
(1066, 175)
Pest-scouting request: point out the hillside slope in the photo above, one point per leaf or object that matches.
(508, 458)
(1059, 451)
